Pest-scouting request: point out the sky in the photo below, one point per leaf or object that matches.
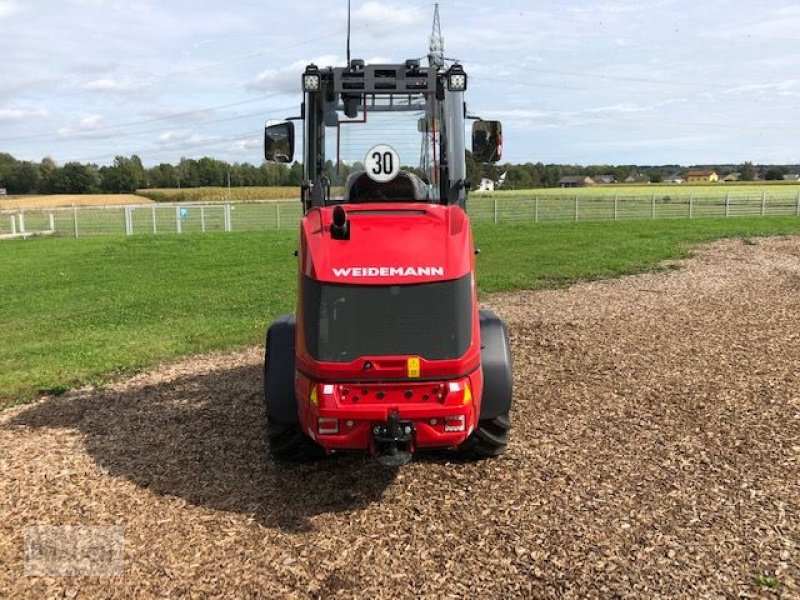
(620, 82)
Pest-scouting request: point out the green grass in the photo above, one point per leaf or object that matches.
(526, 256)
(769, 582)
(87, 311)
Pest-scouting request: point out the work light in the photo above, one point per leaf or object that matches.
(311, 79)
(456, 79)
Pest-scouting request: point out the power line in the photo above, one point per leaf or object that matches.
(258, 53)
(178, 115)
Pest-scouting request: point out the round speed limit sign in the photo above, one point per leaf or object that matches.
(382, 163)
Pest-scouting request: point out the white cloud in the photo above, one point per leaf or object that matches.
(650, 142)
(88, 127)
(92, 122)
(184, 137)
(9, 7)
(787, 87)
(13, 115)
(246, 145)
(616, 108)
(781, 25)
(113, 86)
(383, 15)
(287, 79)
(103, 85)
(178, 135)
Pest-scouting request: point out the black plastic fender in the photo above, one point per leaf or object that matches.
(280, 400)
(498, 381)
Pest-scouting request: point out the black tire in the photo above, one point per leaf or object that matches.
(288, 443)
(498, 381)
(286, 439)
(490, 439)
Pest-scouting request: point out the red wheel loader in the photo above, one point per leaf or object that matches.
(388, 352)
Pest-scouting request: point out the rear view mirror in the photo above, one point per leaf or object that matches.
(279, 142)
(487, 141)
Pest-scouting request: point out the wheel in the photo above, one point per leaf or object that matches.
(286, 439)
(287, 442)
(490, 439)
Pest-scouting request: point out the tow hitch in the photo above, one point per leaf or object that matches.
(393, 441)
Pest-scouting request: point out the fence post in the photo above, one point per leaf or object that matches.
(14, 223)
(536, 207)
(128, 221)
(203, 219)
(763, 203)
(155, 227)
(227, 217)
(277, 216)
(22, 221)
(52, 222)
(75, 220)
(178, 219)
(797, 211)
(691, 204)
(616, 207)
(495, 209)
(653, 206)
(728, 204)
(576, 207)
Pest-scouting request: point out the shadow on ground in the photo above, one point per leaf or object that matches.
(201, 438)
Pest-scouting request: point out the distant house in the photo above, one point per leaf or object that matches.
(487, 185)
(636, 178)
(732, 177)
(676, 179)
(604, 179)
(792, 177)
(574, 181)
(702, 176)
(3, 191)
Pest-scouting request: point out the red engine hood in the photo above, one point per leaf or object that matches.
(390, 244)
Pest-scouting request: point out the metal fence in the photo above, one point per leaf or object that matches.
(84, 221)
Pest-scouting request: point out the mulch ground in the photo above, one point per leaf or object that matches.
(655, 453)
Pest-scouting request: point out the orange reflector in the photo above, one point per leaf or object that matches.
(467, 394)
(313, 397)
(413, 368)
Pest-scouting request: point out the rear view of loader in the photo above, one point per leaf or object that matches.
(388, 352)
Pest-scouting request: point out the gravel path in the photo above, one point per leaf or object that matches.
(655, 454)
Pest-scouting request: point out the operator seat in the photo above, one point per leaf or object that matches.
(406, 187)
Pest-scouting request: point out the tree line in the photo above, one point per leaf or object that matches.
(128, 174)
(530, 175)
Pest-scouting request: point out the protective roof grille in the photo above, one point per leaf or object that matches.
(384, 79)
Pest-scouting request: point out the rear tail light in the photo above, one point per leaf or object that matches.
(454, 424)
(327, 426)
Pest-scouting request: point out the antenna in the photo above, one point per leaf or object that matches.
(348, 33)
(436, 46)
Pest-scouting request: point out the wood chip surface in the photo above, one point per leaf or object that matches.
(655, 453)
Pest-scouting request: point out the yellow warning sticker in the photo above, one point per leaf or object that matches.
(413, 368)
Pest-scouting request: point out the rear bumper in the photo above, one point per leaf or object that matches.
(441, 414)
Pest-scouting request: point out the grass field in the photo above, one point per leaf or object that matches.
(85, 311)
(701, 190)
